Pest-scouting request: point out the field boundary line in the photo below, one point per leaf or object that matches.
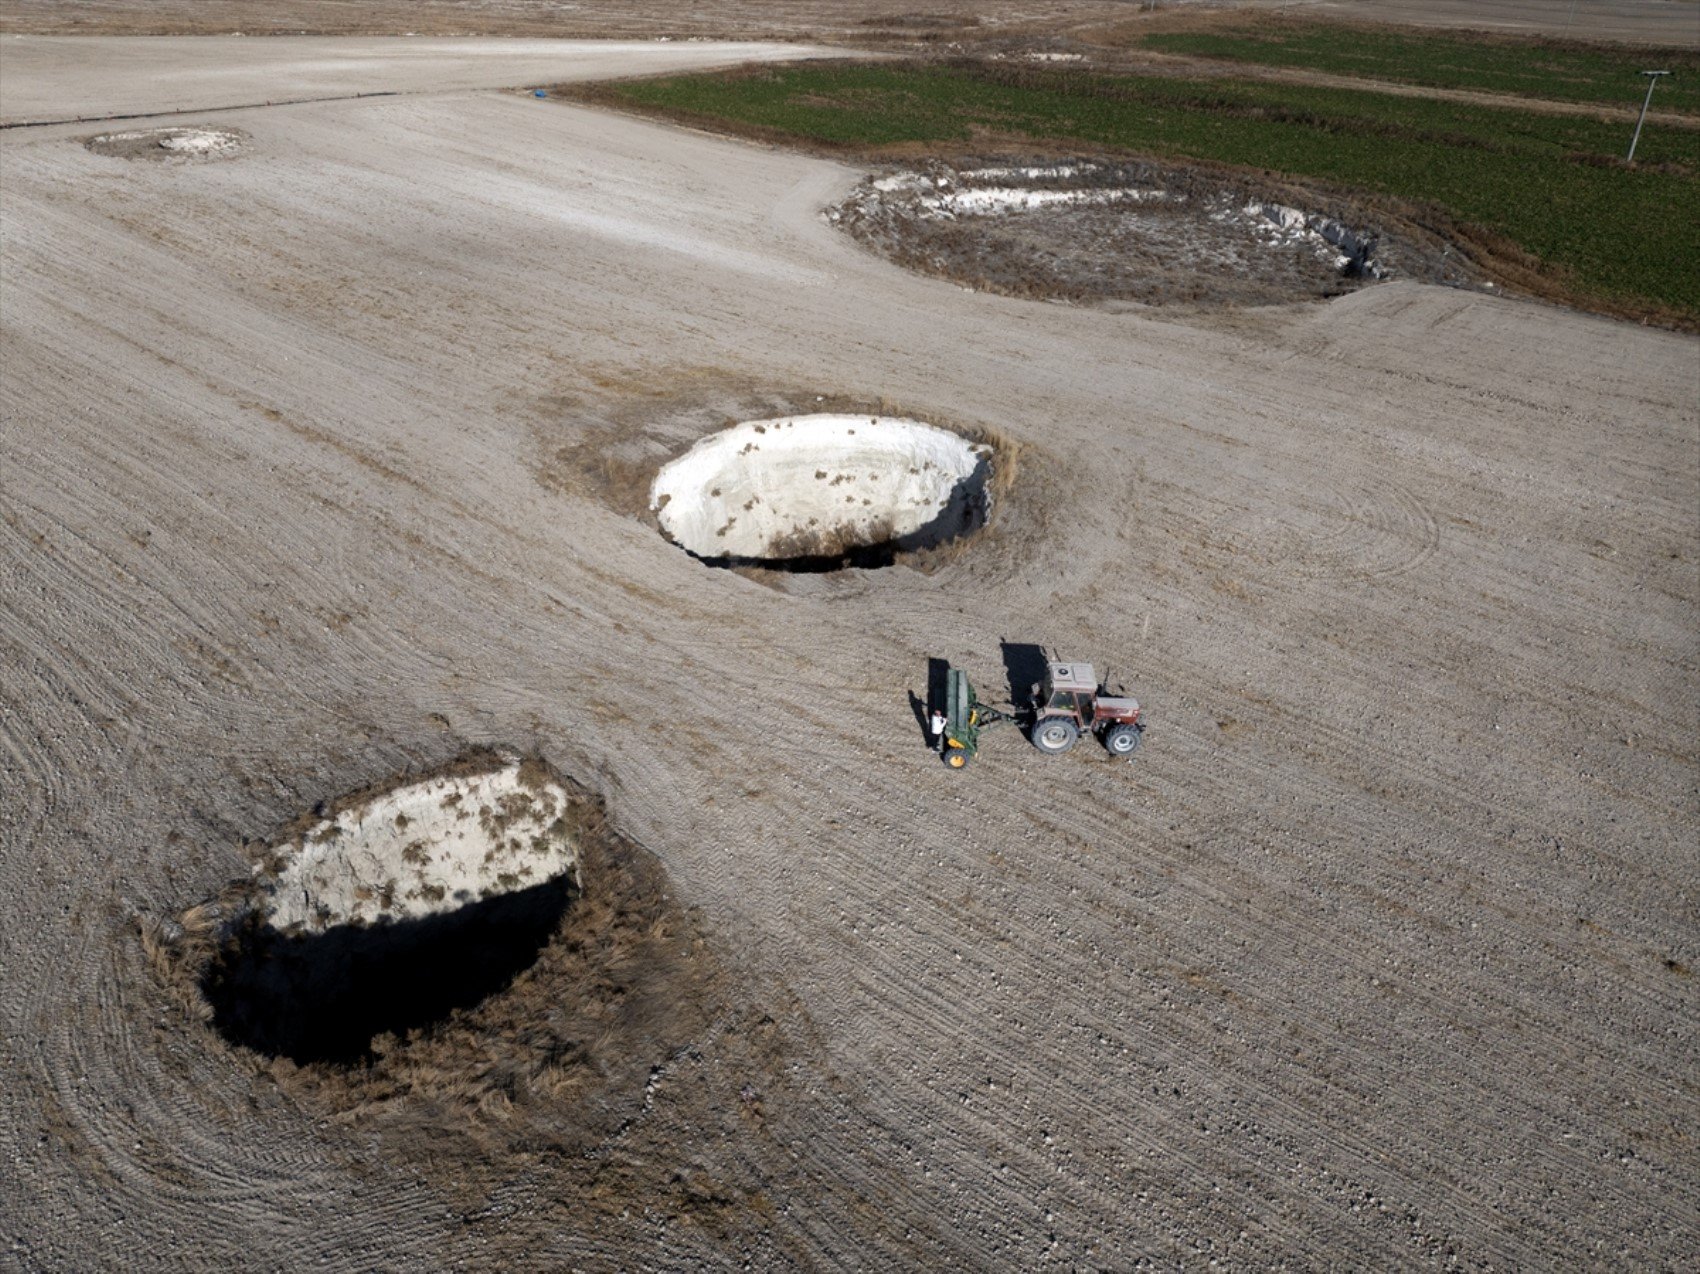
(196, 110)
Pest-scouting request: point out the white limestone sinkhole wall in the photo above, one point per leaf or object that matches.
(426, 849)
(821, 487)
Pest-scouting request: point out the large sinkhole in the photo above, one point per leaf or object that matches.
(1133, 231)
(822, 492)
(390, 914)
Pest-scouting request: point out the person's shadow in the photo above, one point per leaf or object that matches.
(938, 671)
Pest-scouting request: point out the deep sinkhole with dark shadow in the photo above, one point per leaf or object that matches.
(394, 907)
(324, 997)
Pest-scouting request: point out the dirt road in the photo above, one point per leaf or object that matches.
(1666, 22)
(1381, 954)
(56, 78)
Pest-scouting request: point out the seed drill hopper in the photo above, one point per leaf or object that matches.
(965, 716)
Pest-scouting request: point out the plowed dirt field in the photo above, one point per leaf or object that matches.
(317, 463)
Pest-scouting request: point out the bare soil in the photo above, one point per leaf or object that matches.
(57, 79)
(1381, 953)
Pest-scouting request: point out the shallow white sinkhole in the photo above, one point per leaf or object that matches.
(199, 141)
(425, 849)
(821, 487)
(196, 143)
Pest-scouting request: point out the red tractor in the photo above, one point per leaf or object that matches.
(1069, 702)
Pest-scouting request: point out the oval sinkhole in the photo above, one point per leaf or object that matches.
(395, 911)
(1120, 231)
(822, 492)
(178, 144)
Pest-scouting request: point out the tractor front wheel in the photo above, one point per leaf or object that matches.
(1122, 740)
(1055, 735)
(955, 758)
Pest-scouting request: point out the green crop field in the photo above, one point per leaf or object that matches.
(1564, 73)
(1626, 237)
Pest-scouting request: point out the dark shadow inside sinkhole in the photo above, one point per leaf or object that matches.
(324, 997)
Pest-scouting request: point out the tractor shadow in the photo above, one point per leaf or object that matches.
(1024, 665)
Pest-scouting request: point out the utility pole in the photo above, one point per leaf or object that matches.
(1569, 18)
(1652, 83)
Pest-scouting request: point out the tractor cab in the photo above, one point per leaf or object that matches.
(1067, 704)
(1067, 690)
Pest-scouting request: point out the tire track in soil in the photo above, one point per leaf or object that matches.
(1371, 532)
(1326, 935)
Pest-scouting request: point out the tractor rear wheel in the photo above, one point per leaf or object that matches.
(1122, 740)
(955, 758)
(1055, 735)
